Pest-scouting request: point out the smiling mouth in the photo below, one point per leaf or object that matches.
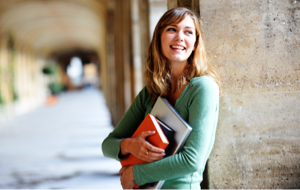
(178, 47)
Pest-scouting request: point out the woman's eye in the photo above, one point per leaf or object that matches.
(171, 29)
(189, 32)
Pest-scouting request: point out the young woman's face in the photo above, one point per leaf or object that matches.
(178, 41)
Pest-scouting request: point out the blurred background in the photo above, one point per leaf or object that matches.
(69, 70)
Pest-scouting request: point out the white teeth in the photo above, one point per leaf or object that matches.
(177, 47)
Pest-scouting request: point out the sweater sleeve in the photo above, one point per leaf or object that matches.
(202, 113)
(127, 125)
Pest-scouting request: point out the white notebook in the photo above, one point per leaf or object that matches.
(165, 112)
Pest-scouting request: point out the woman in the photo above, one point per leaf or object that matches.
(178, 70)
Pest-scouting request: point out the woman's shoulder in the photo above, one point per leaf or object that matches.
(144, 93)
(204, 82)
(143, 97)
(202, 89)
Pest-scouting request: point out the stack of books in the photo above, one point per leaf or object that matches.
(171, 134)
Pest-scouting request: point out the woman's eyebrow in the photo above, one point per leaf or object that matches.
(189, 27)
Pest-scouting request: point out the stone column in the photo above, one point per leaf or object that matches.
(255, 46)
(136, 47)
(22, 76)
(110, 91)
(119, 57)
(145, 33)
(127, 54)
(6, 91)
(119, 64)
(194, 5)
(3, 60)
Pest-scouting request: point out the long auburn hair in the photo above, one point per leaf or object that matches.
(158, 73)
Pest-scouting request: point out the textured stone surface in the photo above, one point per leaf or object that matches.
(255, 45)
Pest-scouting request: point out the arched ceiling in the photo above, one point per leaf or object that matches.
(54, 26)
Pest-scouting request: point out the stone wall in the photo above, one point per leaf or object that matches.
(255, 45)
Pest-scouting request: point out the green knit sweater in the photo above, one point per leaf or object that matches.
(198, 105)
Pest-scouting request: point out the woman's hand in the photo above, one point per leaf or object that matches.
(142, 149)
(127, 178)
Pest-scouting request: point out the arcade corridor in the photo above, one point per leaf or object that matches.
(59, 146)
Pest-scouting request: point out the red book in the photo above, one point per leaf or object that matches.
(159, 139)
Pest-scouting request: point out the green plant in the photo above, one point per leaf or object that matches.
(52, 71)
(55, 87)
(49, 70)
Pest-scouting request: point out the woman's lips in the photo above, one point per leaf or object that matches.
(177, 47)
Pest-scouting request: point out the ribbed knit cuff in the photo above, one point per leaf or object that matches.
(136, 175)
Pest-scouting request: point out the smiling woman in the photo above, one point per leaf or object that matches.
(177, 69)
(178, 42)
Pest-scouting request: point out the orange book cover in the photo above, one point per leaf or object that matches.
(158, 139)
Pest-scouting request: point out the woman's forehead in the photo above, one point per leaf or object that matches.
(187, 20)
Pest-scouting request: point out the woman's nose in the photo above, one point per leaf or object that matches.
(179, 36)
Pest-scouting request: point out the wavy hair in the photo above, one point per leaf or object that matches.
(158, 73)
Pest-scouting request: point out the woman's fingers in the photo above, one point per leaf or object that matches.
(154, 156)
(121, 171)
(143, 150)
(154, 149)
(147, 154)
(151, 158)
(145, 134)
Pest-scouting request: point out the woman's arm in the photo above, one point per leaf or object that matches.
(203, 113)
(141, 148)
(125, 128)
(119, 144)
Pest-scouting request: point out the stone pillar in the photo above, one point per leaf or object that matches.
(22, 77)
(119, 58)
(136, 47)
(194, 5)
(6, 91)
(110, 66)
(145, 33)
(119, 66)
(127, 54)
(26, 69)
(3, 60)
(255, 46)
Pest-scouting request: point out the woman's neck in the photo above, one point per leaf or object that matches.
(176, 72)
